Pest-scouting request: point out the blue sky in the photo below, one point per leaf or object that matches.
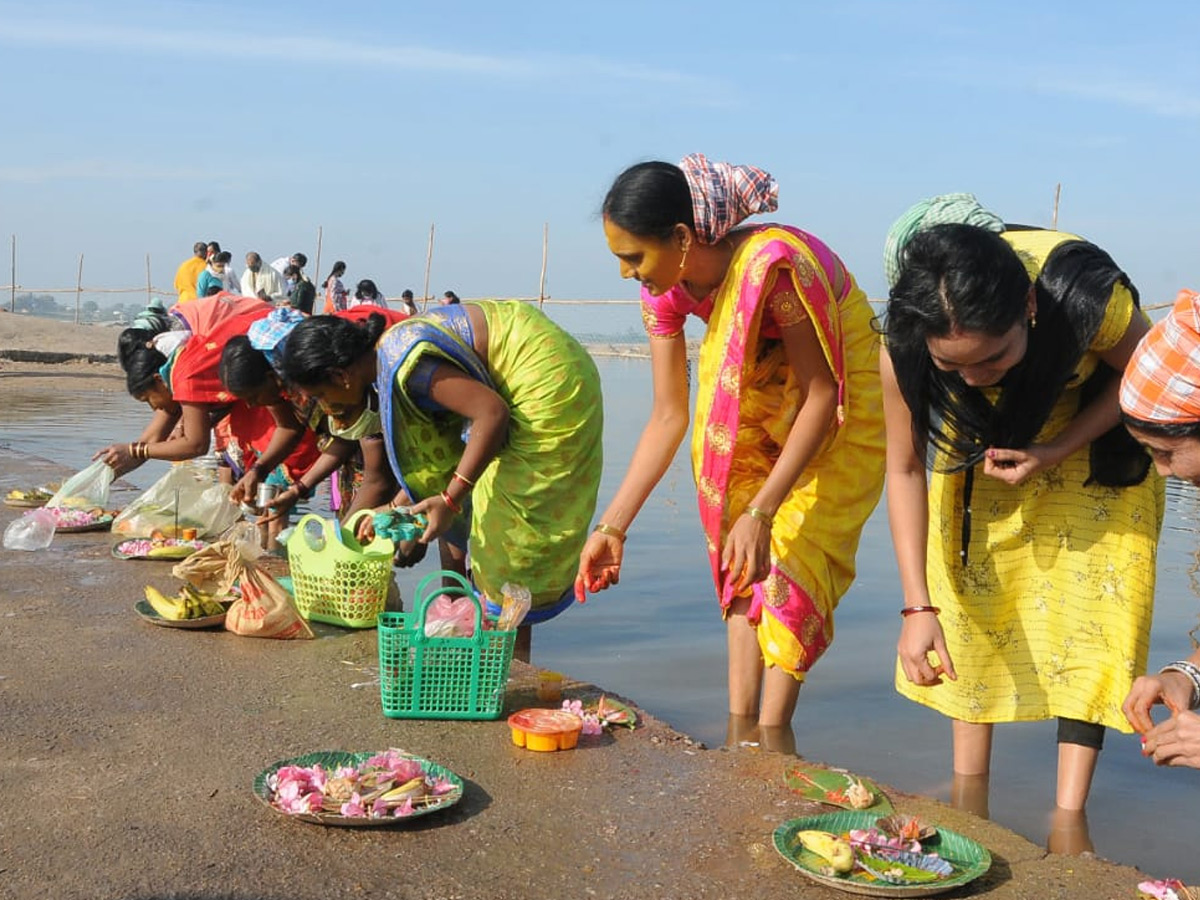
(135, 128)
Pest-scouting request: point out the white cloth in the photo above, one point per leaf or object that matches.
(265, 279)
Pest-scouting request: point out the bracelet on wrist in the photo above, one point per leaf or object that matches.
(467, 482)
(611, 531)
(906, 611)
(449, 501)
(303, 490)
(1190, 671)
(765, 517)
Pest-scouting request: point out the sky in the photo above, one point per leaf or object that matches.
(135, 128)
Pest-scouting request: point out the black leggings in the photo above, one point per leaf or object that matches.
(1086, 734)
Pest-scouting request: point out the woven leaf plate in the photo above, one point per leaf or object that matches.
(969, 858)
(330, 760)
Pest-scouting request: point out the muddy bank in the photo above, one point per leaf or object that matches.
(130, 751)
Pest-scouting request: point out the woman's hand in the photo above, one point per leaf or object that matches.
(920, 634)
(364, 532)
(599, 564)
(1172, 688)
(746, 557)
(281, 505)
(1014, 466)
(1175, 742)
(409, 553)
(244, 491)
(118, 457)
(440, 517)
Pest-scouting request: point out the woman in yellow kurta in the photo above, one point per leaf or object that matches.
(787, 445)
(1028, 570)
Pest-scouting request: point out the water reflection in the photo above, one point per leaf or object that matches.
(1069, 835)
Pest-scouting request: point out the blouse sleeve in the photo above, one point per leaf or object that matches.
(418, 383)
(1117, 317)
(784, 306)
(662, 315)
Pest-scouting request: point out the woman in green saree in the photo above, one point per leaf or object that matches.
(492, 416)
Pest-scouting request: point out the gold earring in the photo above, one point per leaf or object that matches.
(683, 260)
(1033, 320)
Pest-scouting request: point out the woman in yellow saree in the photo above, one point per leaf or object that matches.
(787, 445)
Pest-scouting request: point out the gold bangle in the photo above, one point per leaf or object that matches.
(755, 513)
(467, 481)
(611, 531)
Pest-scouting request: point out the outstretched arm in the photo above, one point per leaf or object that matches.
(908, 518)
(600, 561)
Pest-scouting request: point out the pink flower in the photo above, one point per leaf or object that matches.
(354, 807)
(404, 809)
(441, 786)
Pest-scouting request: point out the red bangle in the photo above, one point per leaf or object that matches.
(910, 610)
(449, 501)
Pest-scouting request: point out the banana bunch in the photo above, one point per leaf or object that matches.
(836, 851)
(189, 604)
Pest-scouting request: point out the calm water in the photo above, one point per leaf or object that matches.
(659, 639)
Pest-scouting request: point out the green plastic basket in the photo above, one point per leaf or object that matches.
(344, 583)
(442, 677)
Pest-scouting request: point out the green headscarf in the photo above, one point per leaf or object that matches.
(944, 209)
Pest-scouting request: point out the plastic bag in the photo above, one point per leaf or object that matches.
(264, 609)
(33, 531)
(514, 607)
(450, 616)
(218, 566)
(203, 504)
(87, 489)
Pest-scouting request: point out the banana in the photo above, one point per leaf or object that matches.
(831, 848)
(205, 604)
(413, 789)
(172, 608)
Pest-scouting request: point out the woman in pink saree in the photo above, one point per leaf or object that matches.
(788, 440)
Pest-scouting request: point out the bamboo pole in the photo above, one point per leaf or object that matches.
(12, 287)
(428, 265)
(1057, 193)
(149, 287)
(317, 264)
(545, 248)
(78, 288)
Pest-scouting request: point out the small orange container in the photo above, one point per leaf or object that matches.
(545, 730)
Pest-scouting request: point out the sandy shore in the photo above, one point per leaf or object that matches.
(130, 752)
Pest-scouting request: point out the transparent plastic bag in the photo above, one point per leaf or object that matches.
(33, 531)
(188, 496)
(87, 489)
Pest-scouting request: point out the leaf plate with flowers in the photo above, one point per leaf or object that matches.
(357, 790)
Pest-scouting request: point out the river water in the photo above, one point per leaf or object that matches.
(658, 638)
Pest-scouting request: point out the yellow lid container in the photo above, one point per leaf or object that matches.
(545, 730)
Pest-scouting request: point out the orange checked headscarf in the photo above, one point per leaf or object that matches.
(1161, 384)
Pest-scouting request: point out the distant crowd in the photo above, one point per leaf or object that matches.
(283, 282)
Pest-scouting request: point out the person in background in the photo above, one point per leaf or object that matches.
(365, 293)
(449, 298)
(335, 291)
(788, 440)
(1027, 553)
(217, 276)
(188, 273)
(303, 295)
(261, 281)
(406, 300)
(1160, 405)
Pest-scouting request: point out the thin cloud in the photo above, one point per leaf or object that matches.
(350, 54)
(1159, 101)
(98, 169)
